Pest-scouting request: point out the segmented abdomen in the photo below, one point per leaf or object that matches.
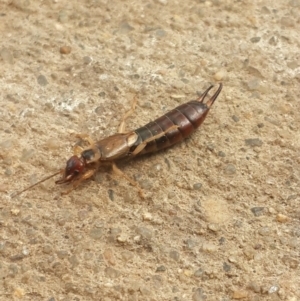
(188, 117)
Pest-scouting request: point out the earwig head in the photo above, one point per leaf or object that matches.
(74, 167)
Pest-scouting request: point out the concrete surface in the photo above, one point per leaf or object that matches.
(221, 216)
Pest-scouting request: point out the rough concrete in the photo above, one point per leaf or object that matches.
(221, 216)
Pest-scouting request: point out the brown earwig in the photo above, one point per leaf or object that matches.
(165, 131)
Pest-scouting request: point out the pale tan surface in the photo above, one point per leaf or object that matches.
(102, 242)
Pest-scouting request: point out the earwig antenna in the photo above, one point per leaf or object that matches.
(37, 183)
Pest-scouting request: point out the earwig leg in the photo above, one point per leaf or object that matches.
(85, 137)
(131, 181)
(127, 114)
(77, 150)
(140, 147)
(88, 174)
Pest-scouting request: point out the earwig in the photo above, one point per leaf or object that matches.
(165, 131)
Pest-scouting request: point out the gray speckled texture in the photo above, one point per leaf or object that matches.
(221, 217)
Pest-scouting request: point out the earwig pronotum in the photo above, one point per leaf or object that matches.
(165, 131)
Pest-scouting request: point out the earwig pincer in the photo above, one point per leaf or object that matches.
(161, 133)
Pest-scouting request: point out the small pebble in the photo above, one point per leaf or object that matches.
(127, 255)
(255, 39)
(6, 144)
(197, 186)
(122, 238)
(74, 261)
(135, 76)
(111, 272)
(157, 167)
(111, 194)
(199, 295)
(281, 218)
(254, 71)
(96, 233)
(63, 17)
(163, 2)
(101, 94)
(109, 256)
(230, 169)
(249, 253)
(177, 96)
(287, 21)
(239, 294)
(146, 184)
(199, 273)
(62, 254)
(87, 60)
(272, 120)
(273, 41)
(100, 109)
(209, 247)
(42, 80)
(19, 293)
(13, 269)
(171, 195)
(221, 154)
(17, 257)
(264, 231)
(47, 249)
(293, 64)
(15, 211)
(65, 49)
(174, 255)
(257, 246)
(254, 287)
(291, 262)
(147, 216)
(161, 268)
(160, 33)
(235, 118)
(213, 227)
(226, 267)
(253, 142)
(145, 291)
(273, 289)
(272, 210)
(144, 232)
(258, 211)
(222, 240)
(220, 75)
(232, 259)
(125, 27)
(190, 243)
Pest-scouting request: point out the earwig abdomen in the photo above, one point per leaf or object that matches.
(188, 117)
